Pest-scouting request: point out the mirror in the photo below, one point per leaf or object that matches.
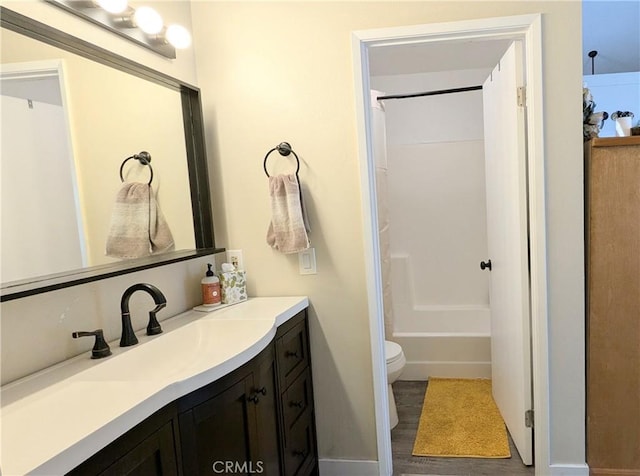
(77, 112)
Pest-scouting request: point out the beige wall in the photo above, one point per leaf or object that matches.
(283, 71)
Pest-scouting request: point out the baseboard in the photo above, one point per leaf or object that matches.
(424, 370)
(614, 472)
(568, 470)
(340, 467)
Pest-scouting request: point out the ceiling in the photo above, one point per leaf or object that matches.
(610, 27)
(433, 57)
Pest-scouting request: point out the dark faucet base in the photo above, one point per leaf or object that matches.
(100, 354)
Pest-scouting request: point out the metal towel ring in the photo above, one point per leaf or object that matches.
(284, 148)
(144, 158)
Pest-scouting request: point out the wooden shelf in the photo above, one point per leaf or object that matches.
(615, 141)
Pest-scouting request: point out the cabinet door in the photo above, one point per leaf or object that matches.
(267, 417)
(218, 436)
(155, 456)
(149, 448)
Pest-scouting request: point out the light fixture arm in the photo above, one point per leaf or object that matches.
(592, 55)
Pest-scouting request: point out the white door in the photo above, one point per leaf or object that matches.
(507, 228)
(37, 174)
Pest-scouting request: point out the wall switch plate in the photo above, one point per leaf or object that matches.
(235, 258)
(307, 261)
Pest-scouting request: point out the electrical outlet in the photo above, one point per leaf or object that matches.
(307, 261)
(235, 258)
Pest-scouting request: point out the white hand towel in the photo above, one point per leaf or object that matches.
(287, 231)
(138, 227)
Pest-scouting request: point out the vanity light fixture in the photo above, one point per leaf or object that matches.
(113, 6)
(142, 25)
(148, 20)
(178, 36)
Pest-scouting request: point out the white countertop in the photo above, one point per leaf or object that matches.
(52, 421)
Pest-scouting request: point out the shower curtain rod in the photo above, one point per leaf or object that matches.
(429, 93)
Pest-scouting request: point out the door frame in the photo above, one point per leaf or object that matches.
(528, 29)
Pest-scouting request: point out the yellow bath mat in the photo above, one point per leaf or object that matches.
(460, 419)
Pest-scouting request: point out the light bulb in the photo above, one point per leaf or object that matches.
(148, 20)
(178, 36)
(113, 6)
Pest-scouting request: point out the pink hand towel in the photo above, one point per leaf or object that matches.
(138, 227)
(287, 231)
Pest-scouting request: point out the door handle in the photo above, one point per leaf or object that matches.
(485, 265)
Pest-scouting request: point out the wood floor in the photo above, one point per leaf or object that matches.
(409, 397)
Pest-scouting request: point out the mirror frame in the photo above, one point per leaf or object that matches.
(196, 162)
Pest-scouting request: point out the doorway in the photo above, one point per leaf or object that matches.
(35, 119)
(527, 30)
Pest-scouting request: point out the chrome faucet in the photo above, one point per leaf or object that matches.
(128, 337)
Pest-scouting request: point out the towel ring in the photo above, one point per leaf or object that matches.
(144, 158)
(284, 148)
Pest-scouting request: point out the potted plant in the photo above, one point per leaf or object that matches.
(623, 121)
(591, 120)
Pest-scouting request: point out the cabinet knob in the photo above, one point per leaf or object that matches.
(298, 404)
(262, 390)
(290, 353)
(299, 453)
(253, 398)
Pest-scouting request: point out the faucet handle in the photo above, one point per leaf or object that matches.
(100, 348)
(154, 328)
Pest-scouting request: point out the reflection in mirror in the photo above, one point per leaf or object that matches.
(42, 229)
(68, 124)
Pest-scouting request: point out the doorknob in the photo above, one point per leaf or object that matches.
(485, 265)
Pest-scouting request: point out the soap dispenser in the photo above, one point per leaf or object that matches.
(210, 288)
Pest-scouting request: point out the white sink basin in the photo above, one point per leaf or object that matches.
(180, 353)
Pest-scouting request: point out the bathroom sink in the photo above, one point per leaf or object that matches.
(179, 354)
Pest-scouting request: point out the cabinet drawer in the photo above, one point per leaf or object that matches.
(297, 399)
(299, 451)
(292, 351)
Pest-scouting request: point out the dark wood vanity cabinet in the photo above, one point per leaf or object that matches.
(147, 450)
(272, 398)
(259, 419)
(230, 426)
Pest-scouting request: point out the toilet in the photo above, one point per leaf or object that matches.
(395, 365)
